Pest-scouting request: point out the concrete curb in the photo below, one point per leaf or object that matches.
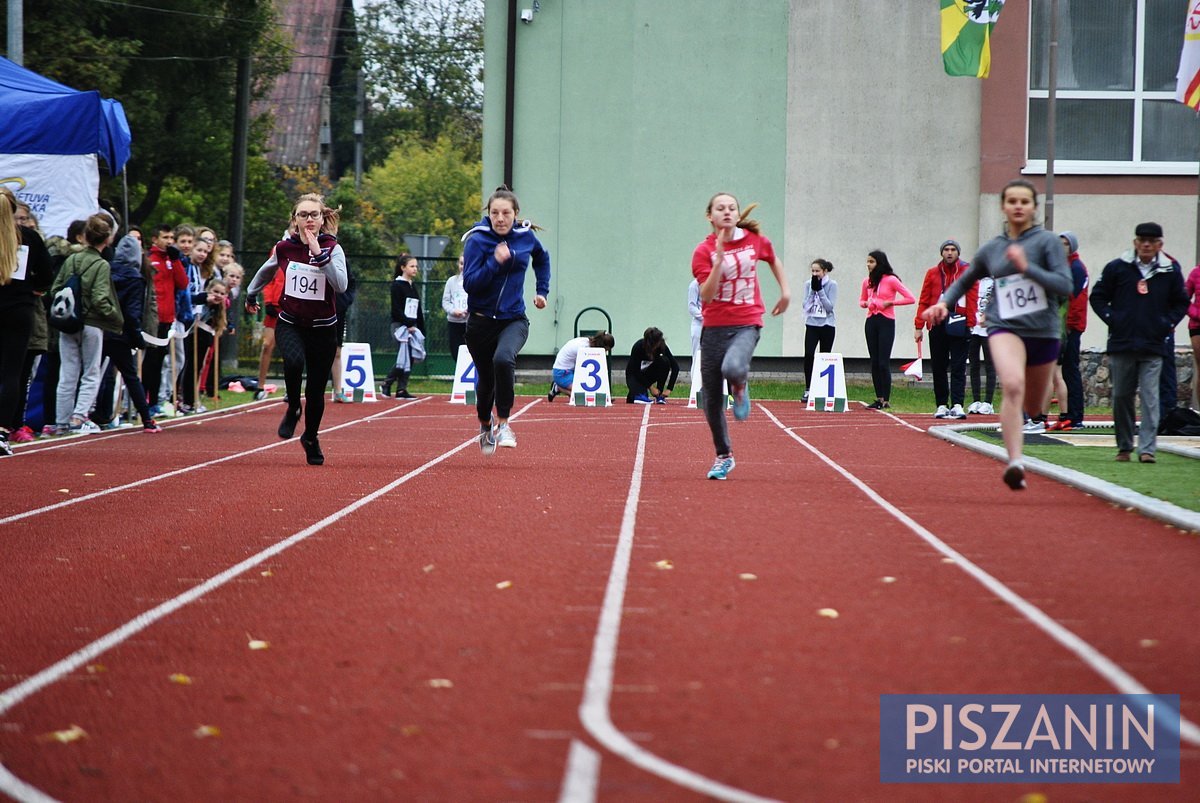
(1155, 508)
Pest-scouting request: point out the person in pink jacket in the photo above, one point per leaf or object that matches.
(1192, 288)
(882, 292)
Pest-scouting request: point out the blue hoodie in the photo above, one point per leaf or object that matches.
(131, 289)
(497, 290)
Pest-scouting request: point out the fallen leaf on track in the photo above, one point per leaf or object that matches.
(64, 490)
(267, 573)
(828, 613)
(258, 644)
(96, 669)
(664, 564)
(181, 679)
(503, 584)
(747, 576)
(427, 569)
(1148, 642)
(71, 734)
(888, 579)
(206, 731)
(441, 683)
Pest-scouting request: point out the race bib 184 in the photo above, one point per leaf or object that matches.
(1019, 295)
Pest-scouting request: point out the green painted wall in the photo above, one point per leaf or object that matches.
(630, 114)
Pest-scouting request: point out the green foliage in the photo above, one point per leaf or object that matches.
(426, 189)
(425, 65)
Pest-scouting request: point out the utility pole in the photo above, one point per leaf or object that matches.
(241, 136)
(325, 138)
(16, 32)
(360, 93)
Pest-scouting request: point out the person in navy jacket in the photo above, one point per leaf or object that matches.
(497, 253)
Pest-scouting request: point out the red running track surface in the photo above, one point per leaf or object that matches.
(432, 614)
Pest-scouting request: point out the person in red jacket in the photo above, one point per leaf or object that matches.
(1068, 381)
(169, 277)
(950, 339)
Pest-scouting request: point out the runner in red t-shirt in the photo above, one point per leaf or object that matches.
(733, 313)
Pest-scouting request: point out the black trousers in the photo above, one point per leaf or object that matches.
(311, 348)
(815, 338)
(949, 357)
(494, 346)
(881, 334)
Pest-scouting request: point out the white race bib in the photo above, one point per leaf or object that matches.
(304, 282)
(410, 307)
(1019, 295)
(22, 262)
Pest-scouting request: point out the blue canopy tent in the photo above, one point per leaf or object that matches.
(50, 143)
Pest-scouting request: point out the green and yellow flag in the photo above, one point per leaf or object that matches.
(966, 35)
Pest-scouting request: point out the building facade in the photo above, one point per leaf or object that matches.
(619, 120)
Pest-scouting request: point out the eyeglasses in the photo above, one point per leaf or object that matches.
(208, 240)
(308, 215)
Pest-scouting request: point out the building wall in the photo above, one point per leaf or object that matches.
(630, 114)
(882, 153)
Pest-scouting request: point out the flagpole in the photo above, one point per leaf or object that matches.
(1051, 102)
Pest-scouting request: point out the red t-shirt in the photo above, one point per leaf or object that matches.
(738, 301)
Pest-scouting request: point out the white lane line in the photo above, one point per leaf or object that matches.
(582, 775)
(594, 709)
(11, 697)
(159, 477)
(1104, 666)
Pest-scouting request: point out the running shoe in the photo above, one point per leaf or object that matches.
(487, 438)
(942, 411)
(1014, 476)
(287, 427)
(5, 449)
(151, 427)
(957, 412)
(876, 405)
(505, 437)
(1034, 426)
(85, 427)
(554, 391)
(741, 405)
(49, 431)
(641, 398)
(986, 409)
(312, 450)
(1061, 425)
(340, 398)
(721, 468)
(660, 399)
(974, 408)
(259, 395)
(22, 435)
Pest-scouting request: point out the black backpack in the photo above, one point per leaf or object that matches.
(1180, 421)
(66, 308)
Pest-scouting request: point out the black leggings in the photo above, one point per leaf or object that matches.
(494, 345)
(979, 353)
(152, 365)
(312, 347)
(881, 334)
(16, 324)
(815, 338)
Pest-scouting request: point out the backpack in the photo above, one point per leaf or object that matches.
(66, 308)
(1180, 421)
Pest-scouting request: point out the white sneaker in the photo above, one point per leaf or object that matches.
(942, 411)
(974, 408)
(505, 437)
(986, 409)
(957, 412)
(1034, 427)
(88, 427)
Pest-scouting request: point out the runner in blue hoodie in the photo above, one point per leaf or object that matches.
(498, 252)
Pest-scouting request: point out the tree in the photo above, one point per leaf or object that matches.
(424, 62)
(172, 66)
(426, 189)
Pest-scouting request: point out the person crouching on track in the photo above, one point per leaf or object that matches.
(315, 271)
(564, 363)
(652, 369)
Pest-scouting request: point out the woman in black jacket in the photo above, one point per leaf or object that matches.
(651, 365)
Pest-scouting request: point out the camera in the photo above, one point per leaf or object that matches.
(527, 15)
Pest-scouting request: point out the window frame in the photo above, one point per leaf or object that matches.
(1135, 165)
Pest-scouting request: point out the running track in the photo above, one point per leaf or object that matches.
(443, 626)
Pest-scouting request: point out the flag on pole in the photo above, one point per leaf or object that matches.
(967, 34)
(1187, 80)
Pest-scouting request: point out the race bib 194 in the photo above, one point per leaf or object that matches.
(304, 282)
(1017, 296)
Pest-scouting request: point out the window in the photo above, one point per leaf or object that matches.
(1115, 110)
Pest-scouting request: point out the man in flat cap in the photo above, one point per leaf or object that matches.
(1140, 297)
